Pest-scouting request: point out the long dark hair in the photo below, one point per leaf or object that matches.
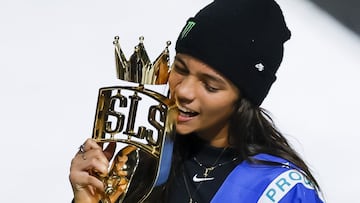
(252, 131)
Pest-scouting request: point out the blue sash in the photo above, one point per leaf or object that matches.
(258, 183)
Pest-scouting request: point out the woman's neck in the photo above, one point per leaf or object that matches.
(219, 142)
(215, 137)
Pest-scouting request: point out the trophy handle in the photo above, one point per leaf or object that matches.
(121, 173)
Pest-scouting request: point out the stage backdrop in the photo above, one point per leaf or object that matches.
(55, 55)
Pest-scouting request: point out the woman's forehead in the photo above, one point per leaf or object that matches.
(202, 69)
(193, 63)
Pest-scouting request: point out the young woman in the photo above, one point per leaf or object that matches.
(227, 147)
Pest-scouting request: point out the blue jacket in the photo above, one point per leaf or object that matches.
(258, 183)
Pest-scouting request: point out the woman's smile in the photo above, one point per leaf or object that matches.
(186, 114)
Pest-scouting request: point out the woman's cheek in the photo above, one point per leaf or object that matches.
(174, 79)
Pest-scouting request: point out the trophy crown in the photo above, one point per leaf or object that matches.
(139, 68)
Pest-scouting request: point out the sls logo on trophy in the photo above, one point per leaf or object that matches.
(141, 120)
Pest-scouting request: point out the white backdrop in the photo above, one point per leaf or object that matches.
(55, 55)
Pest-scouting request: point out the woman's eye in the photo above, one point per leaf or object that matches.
(180, 70)
(210, 88)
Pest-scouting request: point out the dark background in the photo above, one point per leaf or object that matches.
(345, 11)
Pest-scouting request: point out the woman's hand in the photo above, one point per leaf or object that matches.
(91, 160)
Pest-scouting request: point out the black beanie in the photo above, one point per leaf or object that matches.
(241, 39)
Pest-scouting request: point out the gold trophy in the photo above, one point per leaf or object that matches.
(142, 123)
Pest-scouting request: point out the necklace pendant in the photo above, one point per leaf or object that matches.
(207, 171)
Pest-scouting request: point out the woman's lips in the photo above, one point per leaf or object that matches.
(186, 114)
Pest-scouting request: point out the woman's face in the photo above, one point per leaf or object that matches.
(204, 97)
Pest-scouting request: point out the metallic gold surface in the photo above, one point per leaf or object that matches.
(145, 141)
(141, 122)
(139, 68)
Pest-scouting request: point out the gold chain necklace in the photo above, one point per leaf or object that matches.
(206, 173)
(209, 169)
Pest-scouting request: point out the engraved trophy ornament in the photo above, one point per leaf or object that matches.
(142, 123)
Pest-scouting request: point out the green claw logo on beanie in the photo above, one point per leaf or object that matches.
(187, 29)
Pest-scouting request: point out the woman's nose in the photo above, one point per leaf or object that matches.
(186, 90)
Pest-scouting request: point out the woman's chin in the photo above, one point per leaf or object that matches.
(183, 130)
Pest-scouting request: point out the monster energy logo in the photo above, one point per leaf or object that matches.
(187, 28)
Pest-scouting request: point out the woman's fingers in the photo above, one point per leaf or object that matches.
(96, 161)
(108, 151)
(84, 165)
(82, 180)
(91, 144)
(88, 166)
(89, 162)
(86, 188)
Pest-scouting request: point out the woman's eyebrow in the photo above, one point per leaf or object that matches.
(180, 60)
(211, 77)
(205, 76)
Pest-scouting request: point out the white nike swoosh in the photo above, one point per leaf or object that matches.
(196, 179)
